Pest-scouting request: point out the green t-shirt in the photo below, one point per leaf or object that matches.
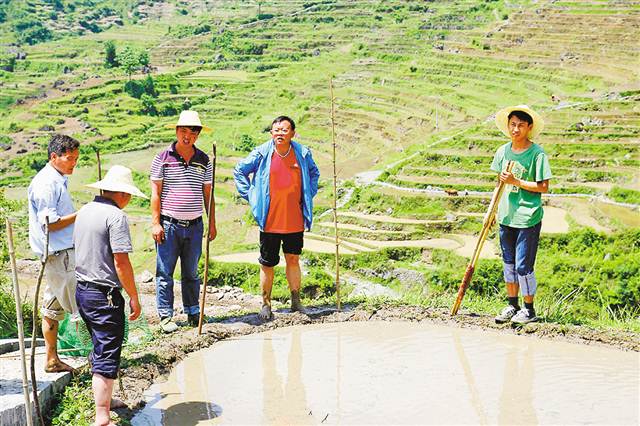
(520, 208)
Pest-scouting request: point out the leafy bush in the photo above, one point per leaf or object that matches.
(247, 143)
(8, 63)
(148, 105)
(110, 55)
(139, 88)
(31, 31)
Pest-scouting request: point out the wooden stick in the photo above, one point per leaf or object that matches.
(206, 252)
(43, 263)
(20, 323)
(99, 165)
(486, 227)
(335, 194)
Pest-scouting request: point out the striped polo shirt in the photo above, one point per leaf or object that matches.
(182, 183)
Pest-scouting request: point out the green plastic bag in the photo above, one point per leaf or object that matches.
(74, 338)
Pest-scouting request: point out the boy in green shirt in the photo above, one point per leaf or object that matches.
(520, 209)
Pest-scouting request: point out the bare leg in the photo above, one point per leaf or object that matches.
(513, 289)
(294, 274)
(50, 333)
(266, 283)
(102, 389)
(528, 299)
(294, 278)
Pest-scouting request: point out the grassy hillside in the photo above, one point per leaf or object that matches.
(416, 84)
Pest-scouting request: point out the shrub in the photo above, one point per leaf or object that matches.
(148, 104)
(138, 88)
(247, 143)
(31, 31)
(8, 63)
(110, 55)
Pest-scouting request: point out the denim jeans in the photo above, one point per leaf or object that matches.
(519, 249)
(185, 243)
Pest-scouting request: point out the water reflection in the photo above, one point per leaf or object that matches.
(516, 399)
(476, 401)
(397, 373)
(284, 404)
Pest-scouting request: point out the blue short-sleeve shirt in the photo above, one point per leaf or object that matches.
(48, 196)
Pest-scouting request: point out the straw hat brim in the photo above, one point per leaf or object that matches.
(503, 124)
(173, 126)
(117, 187)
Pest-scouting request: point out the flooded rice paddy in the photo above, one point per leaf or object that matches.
(396, 373)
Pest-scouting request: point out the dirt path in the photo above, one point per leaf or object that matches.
(555, 221)
(469, 242)
(358, 228)
(390, 219)
(442, 243)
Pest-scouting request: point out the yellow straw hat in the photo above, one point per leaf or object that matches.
(503, 123)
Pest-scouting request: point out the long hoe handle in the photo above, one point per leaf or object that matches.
(206, 252)
(468, 274)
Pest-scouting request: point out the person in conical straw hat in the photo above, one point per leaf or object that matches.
(520, 209)
(181, 178)
(102, 243)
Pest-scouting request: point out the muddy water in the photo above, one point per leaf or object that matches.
(396, 373)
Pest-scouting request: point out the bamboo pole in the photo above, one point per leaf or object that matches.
(20, 323)
(491, 213)
(335, 194)
(99, 165)
(206, 252)
(43, 263)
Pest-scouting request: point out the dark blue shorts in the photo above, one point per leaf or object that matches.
(105, 322)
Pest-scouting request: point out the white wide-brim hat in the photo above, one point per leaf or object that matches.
(118, 179)
(502, 120)
(188, 119)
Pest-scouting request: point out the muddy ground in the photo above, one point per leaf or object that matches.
(156, 360)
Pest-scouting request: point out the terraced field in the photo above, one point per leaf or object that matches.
(416, 84)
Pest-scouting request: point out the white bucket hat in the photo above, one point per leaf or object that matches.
(190, 118)
(502, 120)
(118, 179)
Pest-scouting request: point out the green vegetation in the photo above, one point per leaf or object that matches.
(415, 84)
(8, 324)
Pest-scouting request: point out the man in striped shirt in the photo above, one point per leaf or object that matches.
(181, 178)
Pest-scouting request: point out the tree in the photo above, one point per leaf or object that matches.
(110, 55)
(31, 31)
(129, 60)
(149, 87)
(8, 62)
(143, 57)
(148, 105)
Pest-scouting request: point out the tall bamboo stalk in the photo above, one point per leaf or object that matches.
(20, 322)
(99, 165)
(335, 193)
(43, 263)
(206, 252)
